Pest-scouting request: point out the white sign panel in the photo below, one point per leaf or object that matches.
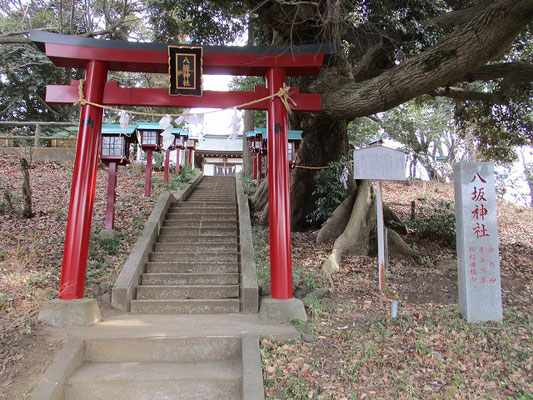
(379, 163)
(478, 261)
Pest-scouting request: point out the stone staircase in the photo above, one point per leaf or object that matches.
(179, 368)
(194, 266)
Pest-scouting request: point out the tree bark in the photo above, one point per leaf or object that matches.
(247, 156)
(355, 238)
(260, 197)
(336, 224)
(26, 189)
(323, 141)
(465, 50)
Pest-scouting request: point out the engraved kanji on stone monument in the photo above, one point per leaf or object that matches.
(478, 263)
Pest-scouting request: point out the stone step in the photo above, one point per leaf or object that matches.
(221, 380)
(186, 306)
(201, 217)
(204, 211)
(190, 279)
(208, 204)
(169, 292)
(200, 247)
(194, 267)
(185, 210)
(197, 239)
(163, 349)
(196, 231)
(200, 224)
(206, 198)
(174, 256)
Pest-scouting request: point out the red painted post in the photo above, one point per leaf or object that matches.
(278, 191)
(167, 165)
(111, 196)
(177, 168)
(255, 166)
(83, 185)
(259, 167)
(148, 174)
(191, 156)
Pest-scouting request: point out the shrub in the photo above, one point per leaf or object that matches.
(248, 183)
(329, 190)
(435, 221)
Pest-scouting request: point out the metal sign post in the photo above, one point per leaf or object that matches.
(379, 163)
(381, 238)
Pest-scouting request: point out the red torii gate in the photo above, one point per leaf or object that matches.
(98, 57)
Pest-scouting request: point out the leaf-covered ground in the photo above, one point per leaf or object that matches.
(354, 351)
(31, 250)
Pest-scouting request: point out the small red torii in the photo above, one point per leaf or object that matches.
(98, 57)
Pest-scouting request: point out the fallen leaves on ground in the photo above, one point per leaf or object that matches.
(429, 351)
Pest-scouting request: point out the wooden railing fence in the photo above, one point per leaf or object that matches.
(7, 140)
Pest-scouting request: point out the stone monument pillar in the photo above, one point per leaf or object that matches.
(478, 265)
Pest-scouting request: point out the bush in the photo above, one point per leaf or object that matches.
(248, 183)
(435, 221)
(186, 174)
(329, 190)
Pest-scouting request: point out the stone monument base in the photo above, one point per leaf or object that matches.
(78, 312)
(274, 311)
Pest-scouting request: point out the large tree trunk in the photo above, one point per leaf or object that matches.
(323, 141)
(247, 156)
(358, 236)
(336, 224)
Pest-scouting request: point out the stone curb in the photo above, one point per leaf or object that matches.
(252, 370)
(126, 284)
(249, 289)
(67, 360)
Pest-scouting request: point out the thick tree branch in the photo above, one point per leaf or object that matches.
(518, 72)
(14, 40)
(463, 94)
(451, 20)
(466, 50)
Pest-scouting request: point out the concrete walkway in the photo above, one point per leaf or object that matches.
(164, 357)
(151, 325)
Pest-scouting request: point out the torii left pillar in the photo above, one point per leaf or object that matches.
(83, 185)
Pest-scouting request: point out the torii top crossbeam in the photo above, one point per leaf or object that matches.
(76, 52)
(98, 57)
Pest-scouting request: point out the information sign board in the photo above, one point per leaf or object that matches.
(379, 163)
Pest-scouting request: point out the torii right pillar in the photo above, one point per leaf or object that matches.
(281, 307)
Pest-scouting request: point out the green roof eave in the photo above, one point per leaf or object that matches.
(115, 129)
